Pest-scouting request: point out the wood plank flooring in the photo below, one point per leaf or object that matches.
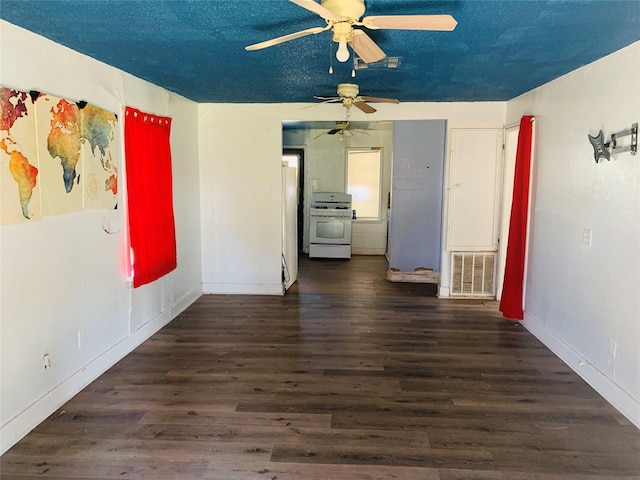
(347, 377)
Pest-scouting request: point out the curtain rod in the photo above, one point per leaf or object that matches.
(516, 124)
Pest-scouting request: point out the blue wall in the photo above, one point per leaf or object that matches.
(415, 228)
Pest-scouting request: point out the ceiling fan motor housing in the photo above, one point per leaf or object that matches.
(342, 30)
(348, 90)
(353, 9)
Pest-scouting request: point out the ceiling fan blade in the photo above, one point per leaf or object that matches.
(316, 8)
(379, 100)
(328, 99)
(366, 48)
(334, 131)
(365, 107)
(411, 22)
(361, 132)
(285, 38)
(318, 136)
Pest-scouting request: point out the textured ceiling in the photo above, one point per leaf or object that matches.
(195, 48)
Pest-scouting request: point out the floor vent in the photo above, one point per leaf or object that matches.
(473, 274)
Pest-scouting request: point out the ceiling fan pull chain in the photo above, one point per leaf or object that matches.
(353, 70)
(331, 58)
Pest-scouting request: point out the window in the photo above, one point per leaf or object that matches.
(363, 182)
(291, 160)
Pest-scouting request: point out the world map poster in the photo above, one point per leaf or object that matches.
(56, 156)
(99, 160)
(58, 140)
(19, 186)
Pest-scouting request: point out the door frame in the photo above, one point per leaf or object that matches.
(299, 152)
(510, 140)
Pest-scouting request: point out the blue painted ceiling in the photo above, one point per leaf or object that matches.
(195, 48)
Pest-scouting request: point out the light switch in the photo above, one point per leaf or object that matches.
(586, 237)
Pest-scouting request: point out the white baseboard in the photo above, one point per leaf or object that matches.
(621, 400)
(242, 288)
(367, 251)
(19, 426)
(443, 292)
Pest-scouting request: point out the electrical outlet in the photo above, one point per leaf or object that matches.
(46, 361)
(586, 237)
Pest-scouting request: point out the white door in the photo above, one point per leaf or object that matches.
(475, 176)
(290, 226)
(474, 194)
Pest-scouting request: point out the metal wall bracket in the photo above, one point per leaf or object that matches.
(604, 150)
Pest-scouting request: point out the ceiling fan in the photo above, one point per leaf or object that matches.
(342, 129)
(342, 15)
(348, 94)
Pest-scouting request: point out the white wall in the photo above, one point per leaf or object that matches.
(63, 273)
(240, 177)
(241, 199)
(584, 302)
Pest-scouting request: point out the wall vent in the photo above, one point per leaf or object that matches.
(473, 274)
(384, 64)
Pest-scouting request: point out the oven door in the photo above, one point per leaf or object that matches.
(330, 230)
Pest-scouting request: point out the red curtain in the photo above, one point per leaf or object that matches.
(149, 194)
(512, 289)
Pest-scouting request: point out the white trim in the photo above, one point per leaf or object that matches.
(616, 396)
(443, 292)
(527, 244)
(20, 425)
(506, 192)
(220, 288)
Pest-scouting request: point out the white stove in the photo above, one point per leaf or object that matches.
(330, 225)
(331, 212)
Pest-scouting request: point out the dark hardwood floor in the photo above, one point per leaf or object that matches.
(347, 377)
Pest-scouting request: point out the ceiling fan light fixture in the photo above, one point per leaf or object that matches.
(342, 55)
(342, 33)
(349, 95)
